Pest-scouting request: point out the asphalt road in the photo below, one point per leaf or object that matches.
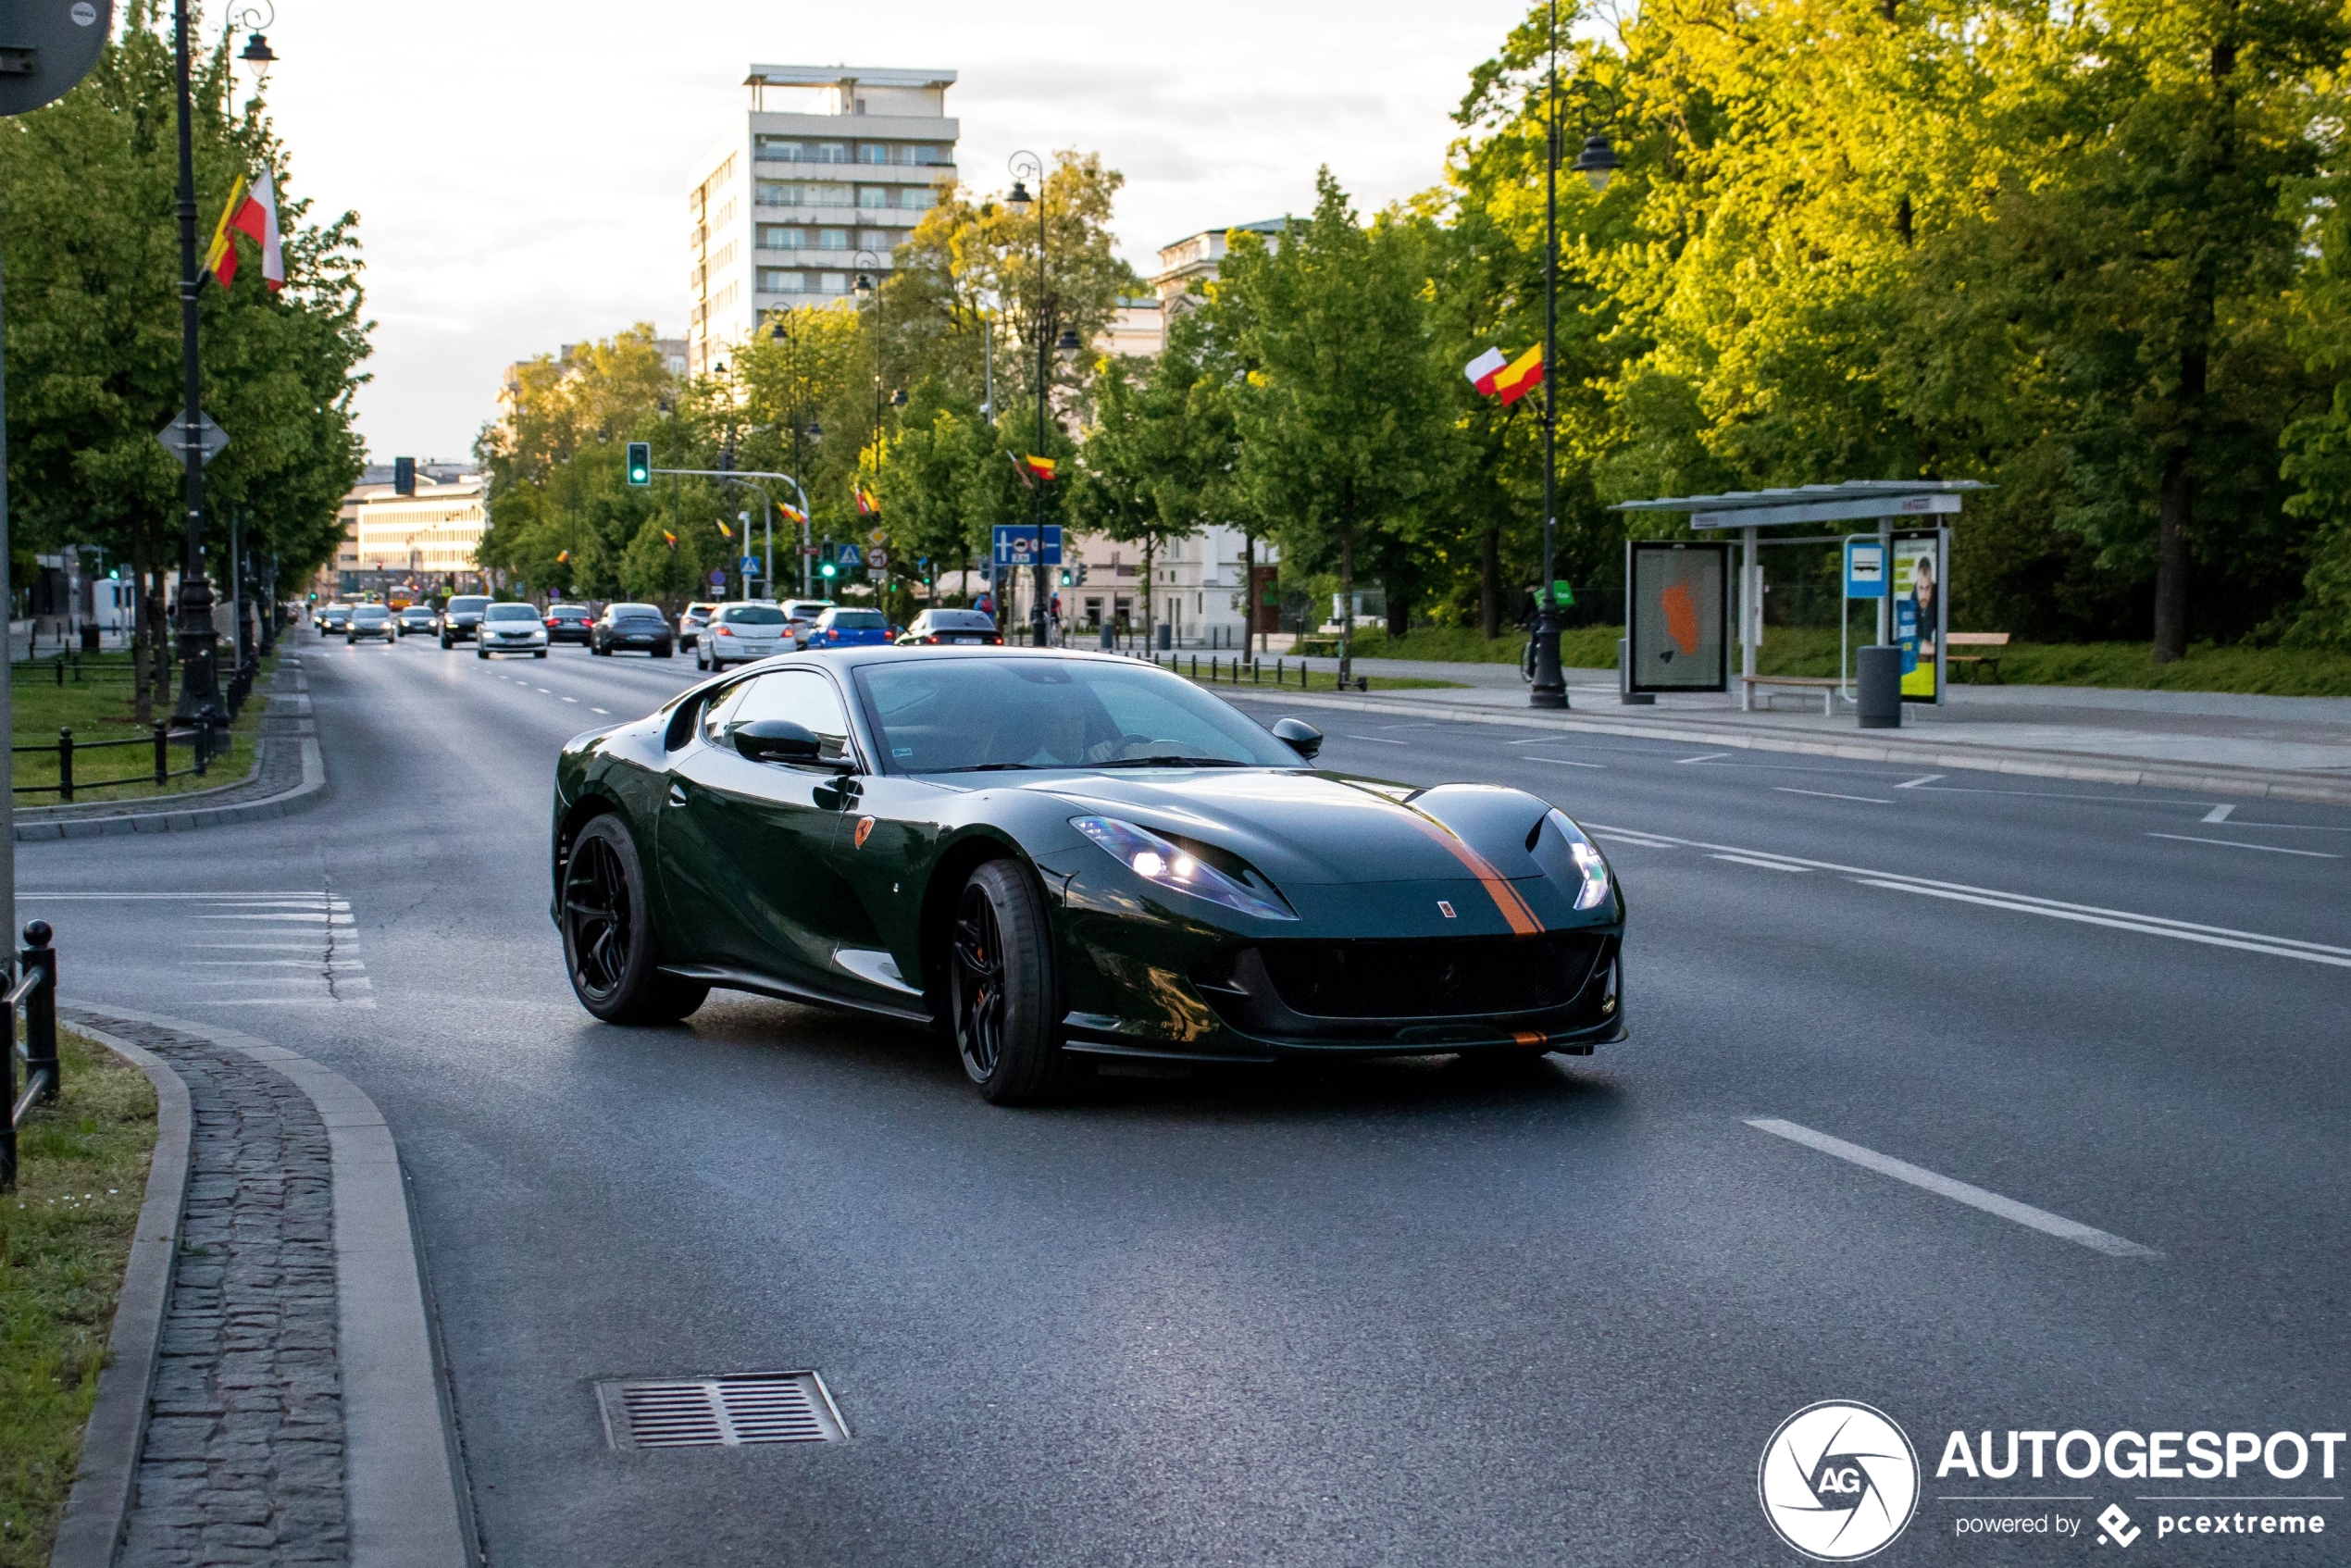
(1399, 1313)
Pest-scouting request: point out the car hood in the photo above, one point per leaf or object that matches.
(1305, 829)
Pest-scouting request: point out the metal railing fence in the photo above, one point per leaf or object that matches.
(36, 994)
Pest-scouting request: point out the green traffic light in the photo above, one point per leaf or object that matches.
(828, 568)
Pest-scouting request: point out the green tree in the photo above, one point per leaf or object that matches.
(1340, 416)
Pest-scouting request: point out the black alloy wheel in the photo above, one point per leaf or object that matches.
(1002, 987)
(608, 939)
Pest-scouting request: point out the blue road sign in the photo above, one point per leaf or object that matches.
(751, 566)
(850, 557)
(1017, 544)
(1864, 568)
(718, 577)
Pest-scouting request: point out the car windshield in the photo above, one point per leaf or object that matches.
(510, 613)
(371, 611)
(806, 609)
(946, 715)
(959, 620)
(751, 615)
(859, 620)
(468, 603)
(568, 612)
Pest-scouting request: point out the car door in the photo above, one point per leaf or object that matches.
(746, 844)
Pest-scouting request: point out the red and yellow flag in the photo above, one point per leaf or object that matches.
(1033, 470)
(563, 557)
(791, 513)
(866, 505)
(1519, 376)
(726, 533)
(669, 539)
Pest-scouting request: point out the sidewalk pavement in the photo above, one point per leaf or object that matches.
(272, 1396)
(2293, 748)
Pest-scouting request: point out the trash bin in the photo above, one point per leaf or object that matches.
(1110, 637)
(89, 637)
(1881, 699)
(1625, 692)
(1166, 636)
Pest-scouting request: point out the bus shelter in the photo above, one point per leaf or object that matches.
(1687, 608)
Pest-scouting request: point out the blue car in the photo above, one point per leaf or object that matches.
(839, 628)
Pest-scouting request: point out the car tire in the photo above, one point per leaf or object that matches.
(608, 933)
(663, 650)
(539, 653)
(445, 643)
(481, 652)
(1003, 986)
(700, 661)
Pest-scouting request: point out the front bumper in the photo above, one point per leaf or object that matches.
(1151, 981)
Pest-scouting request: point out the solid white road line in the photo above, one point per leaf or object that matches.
(1830, 795)
(1766, 864)
(1710, 756)
(2029, 904)
(1378, 739)
(1914, 783)
(2220, 814)
(1566, 762)
(1959, 1191)
(2241, 844)
(1618, 836)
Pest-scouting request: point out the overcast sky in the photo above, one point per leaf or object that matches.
(518, 166)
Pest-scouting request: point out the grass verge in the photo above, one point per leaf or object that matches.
(65, 1236)
(98, 707)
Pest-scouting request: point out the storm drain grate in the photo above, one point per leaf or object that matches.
(716, 1413)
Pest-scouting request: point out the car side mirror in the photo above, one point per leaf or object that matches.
(1301, 737)
(782, 740)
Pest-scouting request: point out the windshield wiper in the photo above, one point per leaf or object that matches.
(1176, 762)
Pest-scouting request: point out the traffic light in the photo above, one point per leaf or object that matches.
(827, 571)
(640, 462)
(1080, 578)
(1068, 579)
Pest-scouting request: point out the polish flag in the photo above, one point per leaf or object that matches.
(253, 213)
(1483, 368)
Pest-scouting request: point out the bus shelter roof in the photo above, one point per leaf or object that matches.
(1854, 500)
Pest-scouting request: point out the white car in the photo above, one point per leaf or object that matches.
(742, 631)
(802, 613)
(512, 627)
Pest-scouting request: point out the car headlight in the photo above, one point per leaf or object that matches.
(1168, 865)
(1588, 862)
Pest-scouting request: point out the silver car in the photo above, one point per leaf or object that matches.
(740, 632)
(512, 627)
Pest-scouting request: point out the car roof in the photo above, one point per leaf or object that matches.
(888, 653)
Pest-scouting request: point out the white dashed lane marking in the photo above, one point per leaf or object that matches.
(1957, 1191)
(2241, 844)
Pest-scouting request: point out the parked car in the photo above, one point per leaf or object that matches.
(511, 628)
(802, 613)
(951, 626)
(639, 627)
(842, 628)
(369, 620)
(689, 625)
(570, 623)
(332, 618)
(740, 632)
(413, 618)
(461, 618)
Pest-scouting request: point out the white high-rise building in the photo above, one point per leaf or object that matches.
(820, 181)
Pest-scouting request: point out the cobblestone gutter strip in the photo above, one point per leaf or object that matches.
(100, 1504)
(297, 1416)
(1923, 753)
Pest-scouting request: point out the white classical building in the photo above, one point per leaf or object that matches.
(429, 538)
(825, 173)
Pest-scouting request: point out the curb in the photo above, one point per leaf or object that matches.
(403, 1470)
(1970, 759)
(99, 1506)
(302, 797)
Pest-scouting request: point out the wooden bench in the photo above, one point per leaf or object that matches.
(1993, 640)
(1826, 685)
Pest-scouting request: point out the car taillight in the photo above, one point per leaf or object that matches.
(931, 639)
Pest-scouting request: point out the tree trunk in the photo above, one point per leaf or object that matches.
(1399, 615)
(164, 641)
(1151, 581)
(143, 702)
(1346, 596)
(2175, 506)
(1489, 584)
(1248, 596)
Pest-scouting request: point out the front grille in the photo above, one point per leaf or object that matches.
(1439, 977)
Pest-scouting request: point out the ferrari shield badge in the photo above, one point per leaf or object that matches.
(865, 830)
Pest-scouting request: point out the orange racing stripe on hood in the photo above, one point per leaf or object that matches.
(1497, 886)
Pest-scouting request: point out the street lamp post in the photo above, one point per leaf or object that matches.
(199, 701)
(1026, 166)
(1596, 162)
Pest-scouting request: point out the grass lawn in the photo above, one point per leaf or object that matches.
(98, 707)
(65, 1234)
(1813, 650)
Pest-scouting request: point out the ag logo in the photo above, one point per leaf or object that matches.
(1838, 1481)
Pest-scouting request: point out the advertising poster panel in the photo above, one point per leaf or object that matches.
(1678, 622)
(1919, 614)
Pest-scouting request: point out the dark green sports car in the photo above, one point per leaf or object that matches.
(1044, 854)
